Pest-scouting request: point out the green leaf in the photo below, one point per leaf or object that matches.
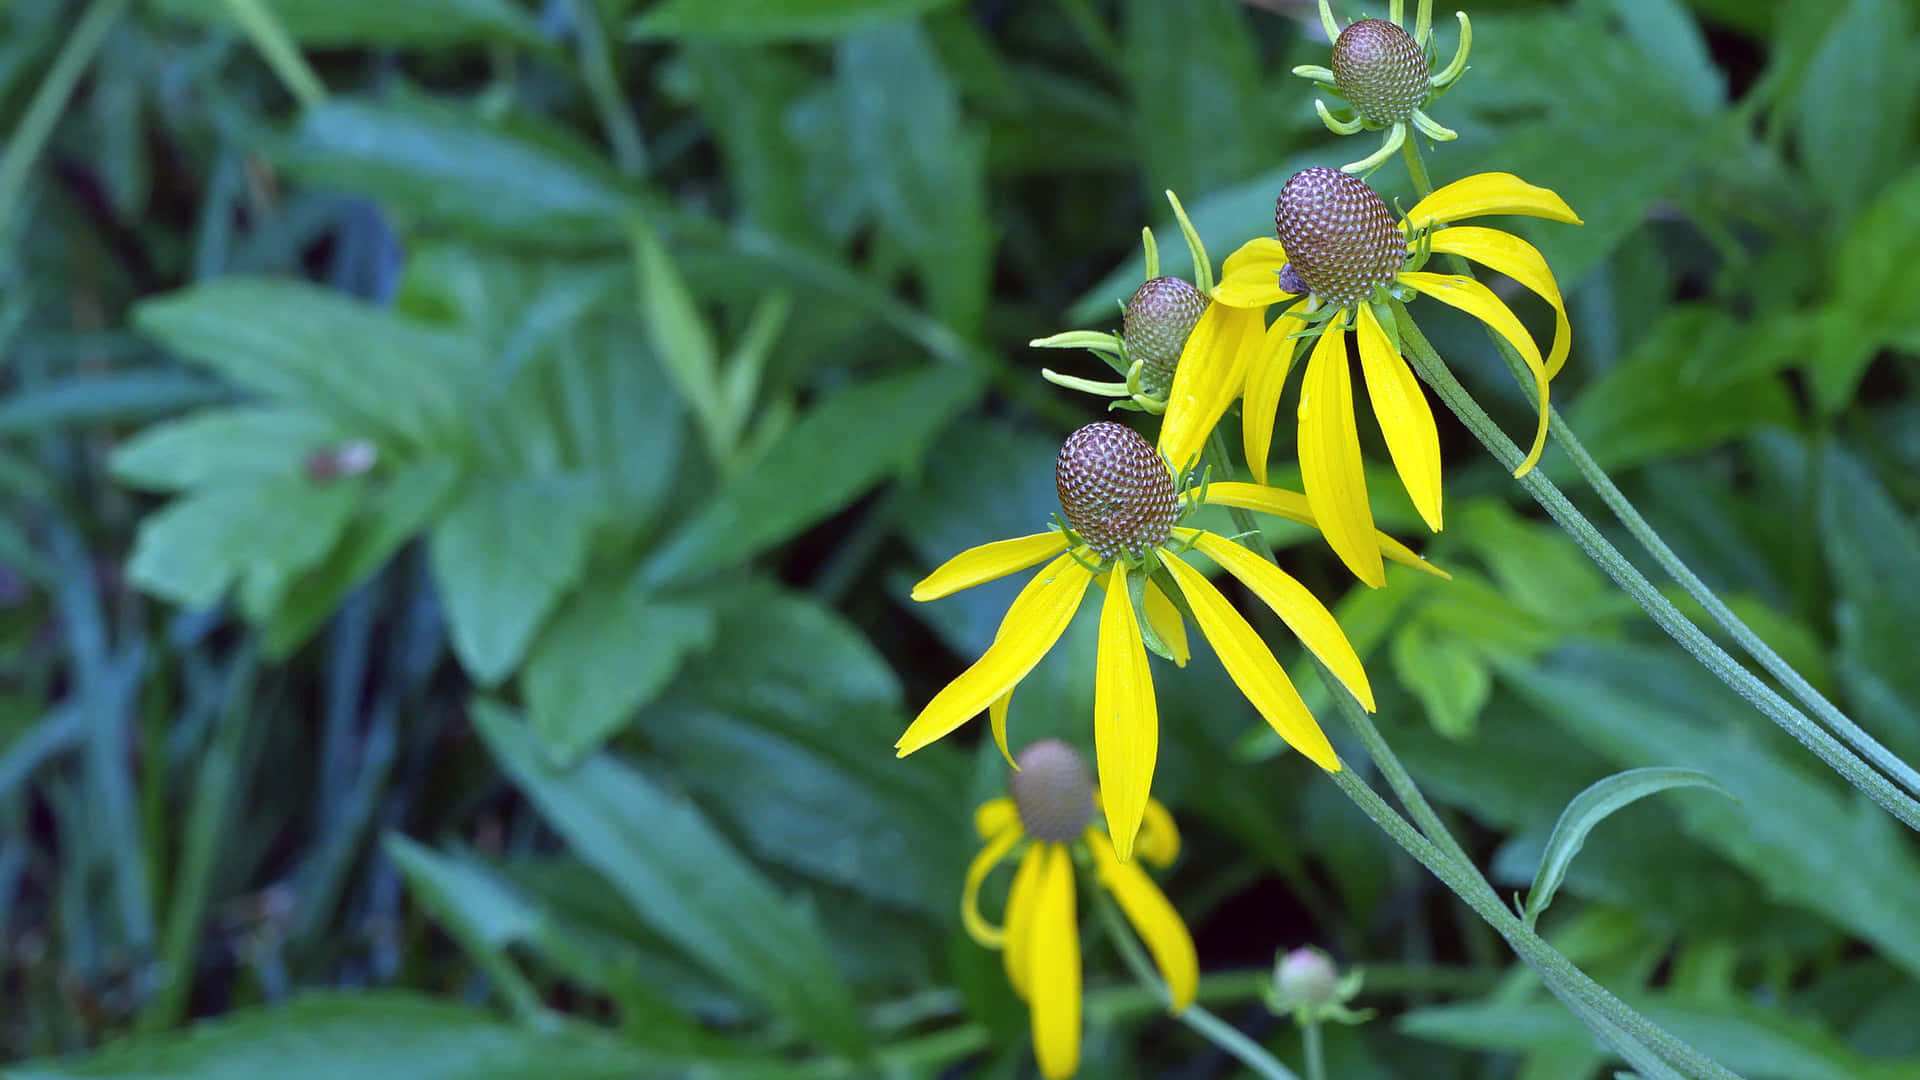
(434, 164)
(221, 445)
(1667, 32)
(414, 23)
(503, 558)
(772, 20)
(1855, 106)
(776, 729)
(370, 371)
(1450, 678)
(838, 450)
(1874, 272)
(1593, 806)
(114, 398)
(396, 511)
(685, 880)
(1185, 61)
(607, 653)
(1873, 553)
(191, 551)
(369, 1035)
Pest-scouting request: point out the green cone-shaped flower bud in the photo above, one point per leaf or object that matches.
(1115, 491)
(1381, 70)
(1340, 237)
(1159, 316)
(1052, 791)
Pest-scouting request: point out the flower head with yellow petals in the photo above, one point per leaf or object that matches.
(1343, 266)
(1044, 823)
(1123, 508)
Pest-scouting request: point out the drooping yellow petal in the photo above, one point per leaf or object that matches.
(1507, 254)
(1053, 949)
(1303, 613)
(997, 721)
(1126, 723)
(1212, 372)
(1489, 193)
(1021, 898)
(1330, 467)
(1250, 276)
(987, 562)
(1405, 417)
(1293, 506)
(992, 817)
(1266, 378)
(1478, 301)
(1167, 624)
(1153, 918)
(978, 928)
(1159, 840)
(1034, 621)
(1252, 667)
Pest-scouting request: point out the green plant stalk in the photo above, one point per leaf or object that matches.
(279, 50)
(1703, 648)
(50, 100)
(603, 83)
(1563, 979)
(1205, 1024)
(1649, 539)
(1311, 1049)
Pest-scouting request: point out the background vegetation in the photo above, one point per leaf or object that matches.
(463, 462)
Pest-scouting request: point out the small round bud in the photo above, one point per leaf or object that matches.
(1380, 69)
(1306, 976)
(1052, 791)
(1115, 491)
(1291, 282)
(1160, 315)
(1340, 237)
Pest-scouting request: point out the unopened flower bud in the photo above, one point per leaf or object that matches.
(1381, 70)
(1159, 317)
(1052, 791)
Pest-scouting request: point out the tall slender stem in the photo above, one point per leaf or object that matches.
(50, 100)
(1311, 1049)
(1763, 697)
(1208, 1026)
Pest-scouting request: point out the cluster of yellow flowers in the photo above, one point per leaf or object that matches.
(1339, 265)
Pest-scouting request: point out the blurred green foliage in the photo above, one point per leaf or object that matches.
(464, 461)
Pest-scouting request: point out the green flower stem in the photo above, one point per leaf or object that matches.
(1566, 981)
(1644, 533)
(1310, 1047)
(1205, 1024)
(1763, 697)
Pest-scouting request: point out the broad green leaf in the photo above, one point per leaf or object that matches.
(607, 653)
(787, 708)
(415, 23)
(1203, 109)
(1667, 32)
(849, 442)
(685, 880)
(215, 446)
(434, 164)
(744, 94)
(1854, 106)
(369, 1035)
(1795, 831)
(1874, 274)
(1873, 553)
(397, 509)
(376, 374)
(192, 550)
(503, 558)
(772, 20)
(114, 398)
(1593, 806)
(1449, 677)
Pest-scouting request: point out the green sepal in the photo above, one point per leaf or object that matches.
(1137, 593)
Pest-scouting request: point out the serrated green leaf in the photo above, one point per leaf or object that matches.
(685, 880)
(191, 551)
(846, 444)
(1593, 806)
(1450, 678)
(607, 653)
(772, 20)
(220, 445)
(503, 558)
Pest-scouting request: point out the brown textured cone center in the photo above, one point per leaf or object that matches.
(1340, 237)
(1052, 791)
(1115, 491)
(1381, 70)
(1159, 317)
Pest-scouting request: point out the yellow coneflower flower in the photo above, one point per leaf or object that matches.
(1051, 811)
(1122, 510)
(1340, 259)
